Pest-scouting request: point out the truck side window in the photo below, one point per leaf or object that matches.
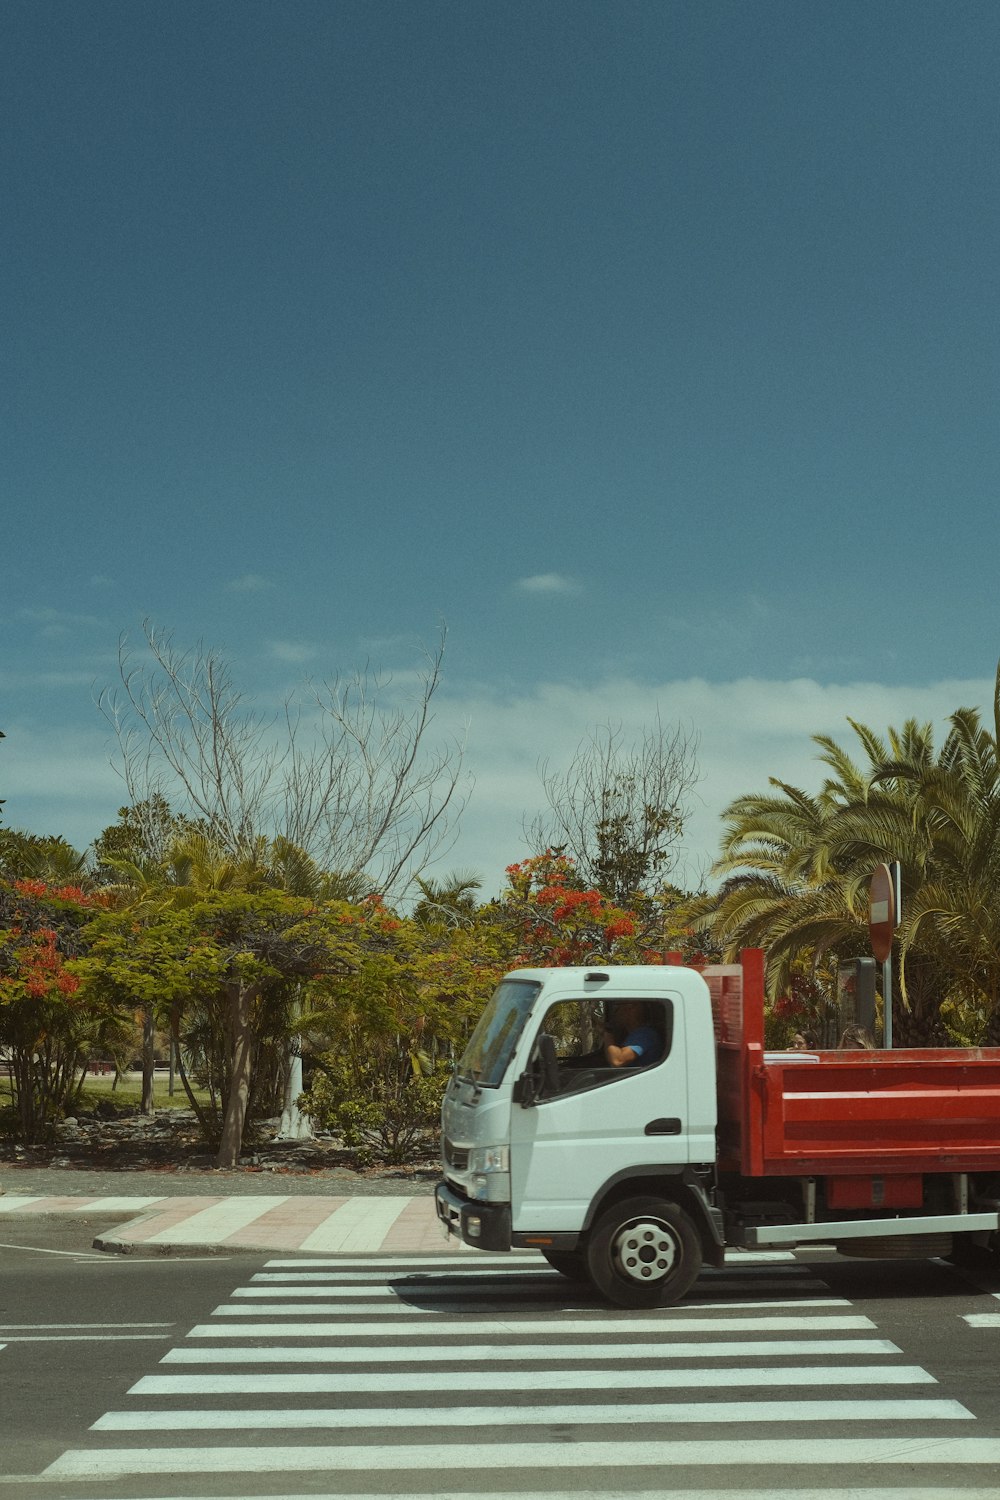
(642, 1028)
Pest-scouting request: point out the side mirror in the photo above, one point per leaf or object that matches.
(540, 1078)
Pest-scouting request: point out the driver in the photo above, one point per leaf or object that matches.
(629, 1040)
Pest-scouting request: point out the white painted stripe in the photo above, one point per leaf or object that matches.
(427, 1327)
(486, 1304)
(11, 1202)
(541, 1277)
(116, 1205)
(61, 1327)
(982, 1320)
(453, 1353)
(209, 1226)
(311, 1309)
(420, 1383)
(361, 1223)
(488, 1258)
(622, 1414)
(550, 1290)
(832, 1453)
(479, 1259)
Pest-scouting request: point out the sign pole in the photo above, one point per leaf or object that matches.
(883, 916)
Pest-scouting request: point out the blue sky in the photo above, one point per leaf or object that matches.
(651, 346)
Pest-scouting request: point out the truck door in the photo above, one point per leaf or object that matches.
(596, 1121)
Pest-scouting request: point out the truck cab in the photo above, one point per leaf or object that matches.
(543, 1135)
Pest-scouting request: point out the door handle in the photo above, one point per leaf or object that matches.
(663, 1127)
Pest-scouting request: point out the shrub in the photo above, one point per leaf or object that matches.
(383, 1108)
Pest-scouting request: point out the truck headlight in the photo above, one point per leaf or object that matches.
(489, 1159)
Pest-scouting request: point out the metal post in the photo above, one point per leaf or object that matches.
(887, 1004)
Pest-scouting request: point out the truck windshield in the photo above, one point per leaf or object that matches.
(492, 1044)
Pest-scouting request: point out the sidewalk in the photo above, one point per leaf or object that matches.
(389, 1224)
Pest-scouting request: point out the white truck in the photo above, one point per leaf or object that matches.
(632, 1176)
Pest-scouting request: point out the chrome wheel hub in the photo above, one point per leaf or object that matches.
(645, 1250)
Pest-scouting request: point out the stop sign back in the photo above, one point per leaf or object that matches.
(882, 912)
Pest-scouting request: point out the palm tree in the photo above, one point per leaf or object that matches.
(799, 867)
(450, 901)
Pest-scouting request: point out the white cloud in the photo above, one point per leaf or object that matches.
(748, 730)
(57, 621)
(548, 583)
(249, 583)
(293, 652)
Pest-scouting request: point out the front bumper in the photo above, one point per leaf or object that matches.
(485, 1226)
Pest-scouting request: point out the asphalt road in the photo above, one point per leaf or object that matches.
(79, 1327)
(789, 1379)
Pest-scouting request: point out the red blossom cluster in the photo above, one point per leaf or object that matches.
(39, 967)
(41, 890)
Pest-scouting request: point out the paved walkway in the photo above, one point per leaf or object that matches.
(389, 1224)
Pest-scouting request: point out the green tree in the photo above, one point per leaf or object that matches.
(225, 965)
(799, 866)
(46, 857)
(381, 1039)
(450, 901)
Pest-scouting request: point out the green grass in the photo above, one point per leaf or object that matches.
(128, 1094)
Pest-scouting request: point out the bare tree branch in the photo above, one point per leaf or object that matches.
(619, 810)
(347, 773)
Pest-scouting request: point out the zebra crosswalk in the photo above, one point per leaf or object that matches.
(462, 1377)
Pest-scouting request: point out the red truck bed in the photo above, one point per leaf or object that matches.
(846, 1114)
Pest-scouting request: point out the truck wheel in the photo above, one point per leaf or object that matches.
(569, 1263)
(644, 1252)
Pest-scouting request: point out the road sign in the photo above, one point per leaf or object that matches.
(882, 912)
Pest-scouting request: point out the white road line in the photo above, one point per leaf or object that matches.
(11, 1202)
(211, 1225)
(53, 1327)
(768, 1323)
(421, 1382)
(478, 1260)
(623, 1414)
(540, 1277)
(736, 1259)
(418, 1328)
(498, 1306)
(358, 1224)
(827, 1453)
(451, 1354)
(547, 1291)
(982, 1320)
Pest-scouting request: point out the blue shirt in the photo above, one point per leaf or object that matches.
(645, 1043)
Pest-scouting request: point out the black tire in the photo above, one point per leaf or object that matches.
(569, 1263)
(644, 1252)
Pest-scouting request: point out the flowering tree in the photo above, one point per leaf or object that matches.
(48, 1026)
(552, 916)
